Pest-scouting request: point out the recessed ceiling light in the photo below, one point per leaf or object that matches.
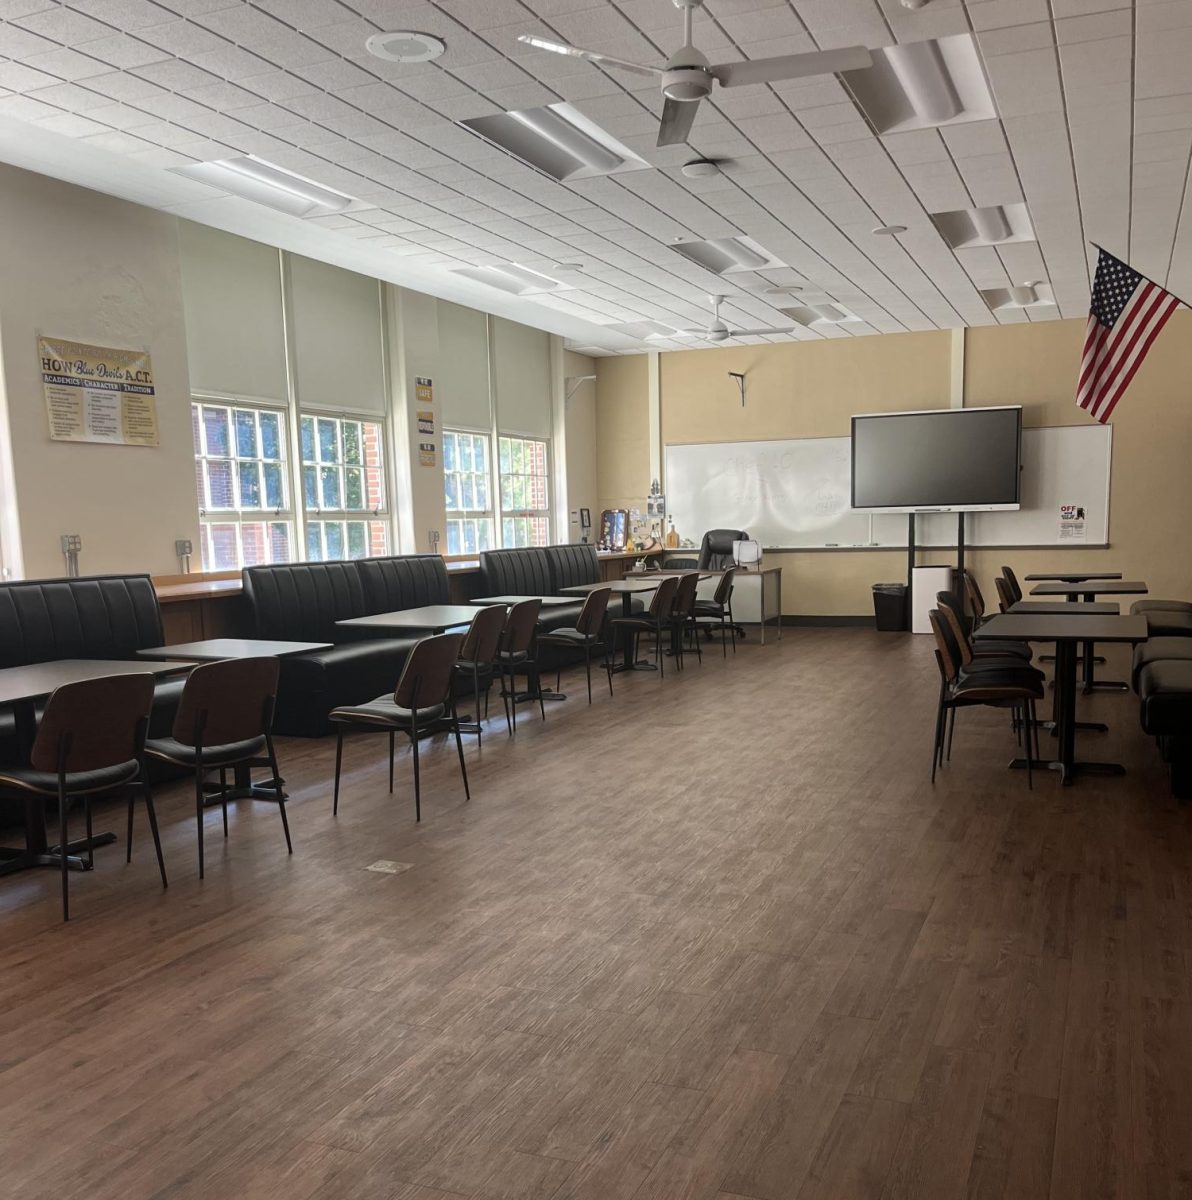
(728, 254)
(782, 291)
(890, 230)
(405, 46)
(253, 178)
(513, 278)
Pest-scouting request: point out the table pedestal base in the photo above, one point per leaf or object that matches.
(1068, 773)
(12, 860)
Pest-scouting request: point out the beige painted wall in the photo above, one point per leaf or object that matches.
(581, 444)
(811, 389)
(77, 264)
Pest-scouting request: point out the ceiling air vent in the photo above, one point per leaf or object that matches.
(921, 85)
(557, 140)
(1023, 295)
(641, 330)
(989, 226)
(728, 254)
(821, 313)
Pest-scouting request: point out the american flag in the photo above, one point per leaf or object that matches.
(1125, 317)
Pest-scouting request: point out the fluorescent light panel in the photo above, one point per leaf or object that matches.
(821, 312)
(726, 255)
(558, 140)
(513, 279)
(922, 85)
(253, 178)
(641, 330)
(991, 225)
(1026, 295)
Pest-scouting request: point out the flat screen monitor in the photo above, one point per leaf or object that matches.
(944, 460)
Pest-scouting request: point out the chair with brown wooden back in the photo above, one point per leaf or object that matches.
(477, 661)
(682, 618)
(654, 621)
(89, 743)
(422, 703)
(1013, 584)
(517, 655)
(589, 635)
(225, 721)
(717, 613)
(1005, 594)
(1008, 684)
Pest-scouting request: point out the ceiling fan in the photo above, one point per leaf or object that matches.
(687, 78)
(718, 330)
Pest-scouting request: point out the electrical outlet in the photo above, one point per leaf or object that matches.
(183, 547)
(72, 543)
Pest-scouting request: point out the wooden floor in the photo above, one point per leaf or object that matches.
(715, 938)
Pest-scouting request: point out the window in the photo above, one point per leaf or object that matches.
(240, 475)
(343, 488)
(467, 481)
(525, 494)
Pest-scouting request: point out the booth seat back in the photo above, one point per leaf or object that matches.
(523, 572)
(301, 602)
(404, 581)
(572, 565)
(98, 616)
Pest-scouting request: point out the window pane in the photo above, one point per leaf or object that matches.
(467, 496)
(517, 456)
(308, 439)
(329, 487)
(503, 460)
(215, 426)
(328, 441)
(480, 454)
(250, 485)
(449, 452)
(353, 488)
(219, 484)
(357, 539)
(333, 536)
(225, 552)
(246, 433)
(270, 435)
(482, 501)
(451, 491)
(200, 486)
(279, 541)
(310, 486)
(353, 446)
(196, 429)
(314, 544)
(465, 453)
(274, 493)
(506, 492)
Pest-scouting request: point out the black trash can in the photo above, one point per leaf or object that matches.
(889, 607)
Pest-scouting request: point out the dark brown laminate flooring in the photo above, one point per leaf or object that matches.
(717, 937)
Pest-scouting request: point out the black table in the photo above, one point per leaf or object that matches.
(219, 650)
(1061, 608)
(626, 589)
(434, 618)
(1073, 576)
(509, 601)
(1066, 632)
(20, 689)
(1088, 589)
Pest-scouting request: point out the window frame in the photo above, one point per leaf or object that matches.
(545, 513)
(319, 517)
(458, 516)
(240, 516)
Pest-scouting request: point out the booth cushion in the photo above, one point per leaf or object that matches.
(1159, 649)
(1146, 606)
(572, 565)
(407, 581)
(1165, 688)
(101, 616)
(1165, 623)
(526, 572)
(301, 602)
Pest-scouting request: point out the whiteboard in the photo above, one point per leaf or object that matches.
(796, 494)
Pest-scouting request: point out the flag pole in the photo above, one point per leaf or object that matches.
(1136, 271)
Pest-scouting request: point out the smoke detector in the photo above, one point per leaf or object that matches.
(700, 168)
(405, 47)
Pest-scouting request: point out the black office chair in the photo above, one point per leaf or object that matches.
(588, 633)
(715, 551)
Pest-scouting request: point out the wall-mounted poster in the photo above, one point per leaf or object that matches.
(424, 389)
(98, 394)
(1072, 523)
(426, 421)
(426, 453)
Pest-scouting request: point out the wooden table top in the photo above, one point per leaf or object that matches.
(547, 601)
(1075, 608)
(1072, 577)
(36, 680)
(430, 616)
(216, 649)
(615, 585)
(1110, 587)
(1045, 627)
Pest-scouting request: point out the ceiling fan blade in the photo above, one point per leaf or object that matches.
(758, 332)
(677, 118)
(792, 66)
(685, 333)
(605, 60)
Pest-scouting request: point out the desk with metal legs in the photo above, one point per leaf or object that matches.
(1088, 589)
(1067, 632)
(626, 589)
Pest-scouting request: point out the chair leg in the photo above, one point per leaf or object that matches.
(459, 749)
(538, 689)
(199, 812)
(132, 798)
(951, 731)
(90, 833)
(659, 661)
(724, 639)
(281, 796)
(223, 796)
(505, 702)
(417, 776)
(699, 653)
(339, 758)
(63, 842)
(151, 810)
(588, 667)
(476, 697)
(608, 664)
(392, 737)
(935, 741)
(1030, 757)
